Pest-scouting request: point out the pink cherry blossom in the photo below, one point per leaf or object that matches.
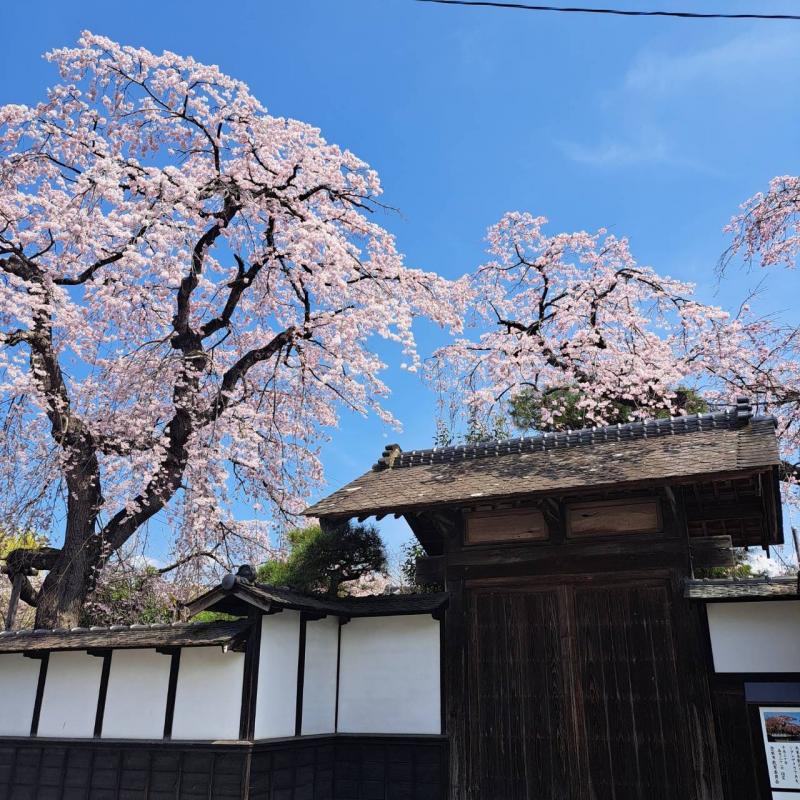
(576, 311)
(189, 291)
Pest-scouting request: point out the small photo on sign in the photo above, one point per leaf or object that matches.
(782, 726)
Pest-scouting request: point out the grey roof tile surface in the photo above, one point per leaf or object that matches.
(745, 589)
(184, 634)
(649, 451)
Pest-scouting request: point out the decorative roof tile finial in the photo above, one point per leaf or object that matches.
(744, 408)
(388, 457)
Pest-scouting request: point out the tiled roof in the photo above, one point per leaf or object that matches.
(182, 634)
(649, 451)
(747, 589)
(236, 596)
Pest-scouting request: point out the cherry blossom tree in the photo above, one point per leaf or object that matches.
(767, 228)
(189, 289)
(573, 318)
(766, 361)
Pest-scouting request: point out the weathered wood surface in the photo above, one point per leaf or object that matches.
(737, 746)
(519, 729)
(576, 557)
(578, 691)
(430, 570)
(322, 768)
(614, 517)
(521, 524)
(711, 551)
(631, 701)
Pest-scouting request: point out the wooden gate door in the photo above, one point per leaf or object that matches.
(576, 692)
(518, 716)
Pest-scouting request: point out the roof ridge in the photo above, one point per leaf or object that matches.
(733, 579)
(135, 626)
(728, 418)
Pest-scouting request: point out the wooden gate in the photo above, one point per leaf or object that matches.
(576, 692)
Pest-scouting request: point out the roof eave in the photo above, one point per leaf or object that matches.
(362, 512)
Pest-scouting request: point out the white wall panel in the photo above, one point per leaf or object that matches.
(276, 698)
(19, 677)
(208, 699)
(389, 678)
(136, 700)
(69, 704)
(319, 681)
(755, 637)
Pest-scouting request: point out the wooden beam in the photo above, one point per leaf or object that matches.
(204, 601)
(13, 602)
(430, 569)
(252, 657)
(711, 551)
(44, 660)
(338, 671)
(101, 696)
(172, 687)
(652, 544)
(749, 508)
(301, 671)
(266, 606)
(569, 560)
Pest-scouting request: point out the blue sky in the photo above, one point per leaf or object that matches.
(656, 129)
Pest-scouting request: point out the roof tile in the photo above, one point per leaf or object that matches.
(647, 451)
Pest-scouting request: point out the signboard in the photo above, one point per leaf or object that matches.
(780, 728)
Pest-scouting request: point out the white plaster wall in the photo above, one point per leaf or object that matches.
(19, 677)
(389, 677)
(208, 699)
(136, 700)
(276, 698)
(755, 637)
(319, 681)
(69, 703)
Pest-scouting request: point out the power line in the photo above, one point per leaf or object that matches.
(619, 12)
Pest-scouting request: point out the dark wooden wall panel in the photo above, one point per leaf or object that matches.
(583, 689)
(517, 718)
(737, 755)
(319, 768)
(635, 736)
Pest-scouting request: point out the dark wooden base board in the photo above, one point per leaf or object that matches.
(340, 767)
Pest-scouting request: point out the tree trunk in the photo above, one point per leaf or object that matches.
(72, 577)
(66, 586)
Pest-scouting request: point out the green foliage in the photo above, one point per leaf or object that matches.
(212, 616)
(565, 407)
(410, 552)
(740, 569)
(19, 540)
(320, 561)
(565, 411)
(478, 430)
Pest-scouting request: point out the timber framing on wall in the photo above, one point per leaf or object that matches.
(44, 660)
(301, 676)
(103, 690)
(252, 655)
(172, 689)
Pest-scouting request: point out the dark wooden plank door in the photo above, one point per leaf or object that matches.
(518, 723)
(630, 694)
(576, 692)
